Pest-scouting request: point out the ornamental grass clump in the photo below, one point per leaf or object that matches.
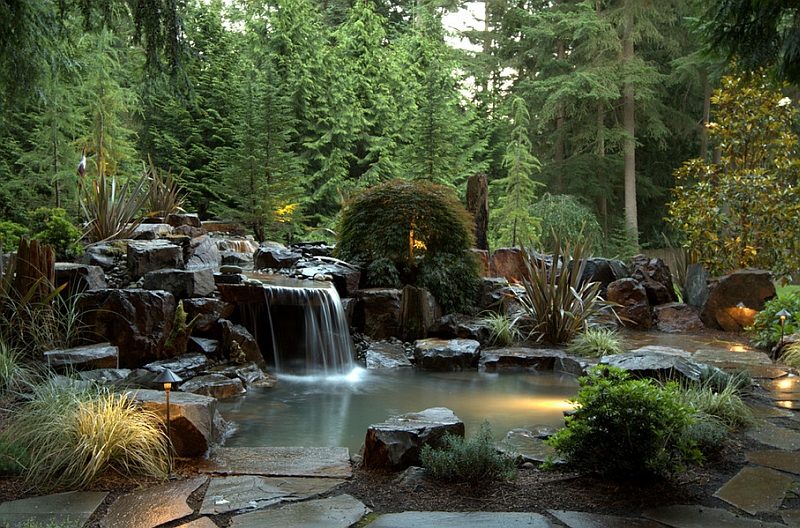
(595, 342)
(625, 428)
(74, 434)
(473, 460)
(502, 331)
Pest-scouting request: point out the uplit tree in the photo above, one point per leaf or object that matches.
(743, 211)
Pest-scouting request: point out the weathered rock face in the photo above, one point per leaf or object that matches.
(378, 312)
(674, 318)
(396, 443)
(696, 287)
(217, 386)
(136, 321)
(184, 366)
(518, 358)
(482, 257)
(494, 292)
(461, 326)
(236, 340)
(345, 277)
(195, 422)
(634, 308)
(605, 271)
(418, 311)
(507, 263)
(446, 354)
(202, 252)
(267, 257)
(79, 277)
(99, 356)
(183, 284)
(144, 257)
(210, 311)
(104, 255)
(187, 219)
(751, 287)
(386, 355)
(656, 362)
(655, 276)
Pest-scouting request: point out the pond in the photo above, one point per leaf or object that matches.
(336, 411)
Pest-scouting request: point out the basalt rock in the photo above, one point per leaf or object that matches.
(750, 287)
(508, 263)
(382, 355)
(605, 271)
(202, 252)
(446, 354)
(677, 318)
(98, 356)
(655, 276)
(378, 312)
(79, 277)
(396, 443)
(210, 311)
(217, 386)
(183, 284)
(519, 358)
(634, 308)
(136, 321)
(267, 257)
(144, 257)
(345, 277)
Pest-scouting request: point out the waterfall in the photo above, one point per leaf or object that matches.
(300, 326)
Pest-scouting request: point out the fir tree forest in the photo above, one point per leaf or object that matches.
(273, 112)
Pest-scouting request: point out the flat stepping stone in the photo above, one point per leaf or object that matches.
(684, 516)
(330, 462)
(756, 489)
(462, 520)
(744, 359)
(788, 461)
(768, 371)
(791, 517)
(153, 506)
(775, 436)
(769, 411)
(73, 506)
(594, 520)
(341, 511)
(248, 492)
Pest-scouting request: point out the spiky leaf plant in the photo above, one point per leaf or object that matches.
(165, 195)
(502, 331)
(556, 304)
(112, 208)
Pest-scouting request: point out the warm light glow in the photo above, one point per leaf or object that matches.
(167, 386)
(738, 348)
(786, 383)
(539, 403)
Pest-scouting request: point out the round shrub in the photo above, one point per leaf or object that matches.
(418, 233)
(624, 428)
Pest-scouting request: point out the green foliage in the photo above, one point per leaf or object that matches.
(766, 329)
(725, 404)
(563, 215)
(165, 195)
(113, 209)
(74, 435)
(15, 374)
(52, 227)
(790, 355)
(743, 211)
(624, 428)
(13, 457)
(472, 461)
(411, 233)
(556, 306)
(502, 331)
(596, 341)
(10, 235)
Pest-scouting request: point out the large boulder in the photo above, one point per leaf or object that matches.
(79, 277)
(378, 312)
(209, 310)
(695, 291)
(676, 318)
(605, 271)
(87, 357)
(184, 366)
(655, 276)
(182, 284)
(105, 255)
(195, 423)
(661, 363)
(237, 340)
(461, 326)
(202, 252)
(138, 322)
(345, 277)
(418, 311)
(633, 306)
(508, 263)
(519, 358)
(396, 443)
(217, 386)
(152, 255)
(446, 354)
(381, 355)
(750, 287)
(184, 219)
(269, 257)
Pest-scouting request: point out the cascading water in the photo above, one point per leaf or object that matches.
(301, 327)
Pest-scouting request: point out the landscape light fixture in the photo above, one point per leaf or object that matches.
(783, 314)
(166, 379)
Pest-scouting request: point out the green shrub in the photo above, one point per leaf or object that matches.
(766, 329)
(10, 234)
(52, 227)
(564, 215)
(462, 460)
(502, 331)
(556, 306)
(74, 434)
(596, 341)
(624, 428)
(718, 380)
(706, 433)
(414, 233)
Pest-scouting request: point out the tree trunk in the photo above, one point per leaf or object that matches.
(706, 117)
(416, 315)
(602, 202)
(629, 142)
(478, 207)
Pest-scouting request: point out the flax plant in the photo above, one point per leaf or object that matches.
(165, 195)
(76, 433)
(556, 304)
(112, 209)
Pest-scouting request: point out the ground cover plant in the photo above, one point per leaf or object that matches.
(468, 460)
(596, 341)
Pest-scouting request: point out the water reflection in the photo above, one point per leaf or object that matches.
(336, 411)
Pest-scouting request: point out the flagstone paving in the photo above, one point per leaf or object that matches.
(259, 487)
